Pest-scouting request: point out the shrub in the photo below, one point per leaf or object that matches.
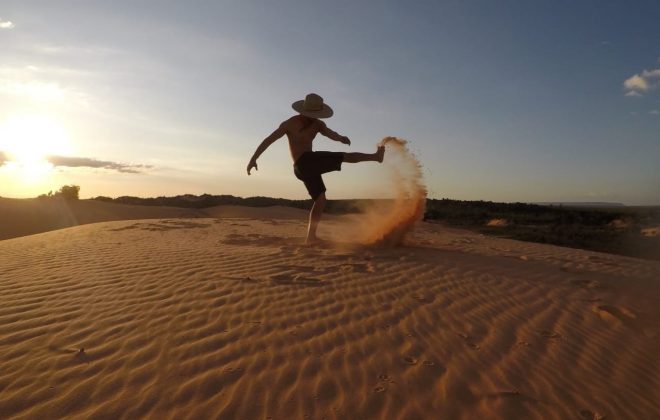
(69, 192)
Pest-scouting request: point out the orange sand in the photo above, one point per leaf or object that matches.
(389, 225)
(234, 318)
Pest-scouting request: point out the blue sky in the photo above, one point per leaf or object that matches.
(503, 101)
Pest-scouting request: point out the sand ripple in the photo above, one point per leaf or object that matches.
(208, 318)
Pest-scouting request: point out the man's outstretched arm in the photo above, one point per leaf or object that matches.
(272, 138)
(333, 135)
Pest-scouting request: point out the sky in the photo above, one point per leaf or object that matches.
(535, 101)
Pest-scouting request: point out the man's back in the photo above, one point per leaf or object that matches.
(300, 131)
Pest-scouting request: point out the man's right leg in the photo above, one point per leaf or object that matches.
(365, 157)
(315, 217)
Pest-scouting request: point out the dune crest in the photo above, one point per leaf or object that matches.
(389, 226)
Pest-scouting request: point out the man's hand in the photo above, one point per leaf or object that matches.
(345, 140)
(252, 164)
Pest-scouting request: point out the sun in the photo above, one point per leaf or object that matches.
(27, 140)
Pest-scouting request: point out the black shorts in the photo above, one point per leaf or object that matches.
(310, 165)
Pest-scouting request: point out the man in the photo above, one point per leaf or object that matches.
(308, 165)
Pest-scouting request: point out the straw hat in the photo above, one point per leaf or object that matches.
(313, 106)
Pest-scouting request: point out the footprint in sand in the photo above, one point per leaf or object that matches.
(297, 268)
(549, 334)
(469, 342)
(462, 241)
(172, 225)
(295, 280)
(591, 415)
(591, 300)
(618, 314)
(385, 379)
(410, 360)
(603, 260)
(423, 298)
(573, 270)
(494, 248)
(518, 257)
(587, 284)
(357, 268)
(129, 227)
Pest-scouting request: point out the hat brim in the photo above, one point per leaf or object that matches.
(325, 112)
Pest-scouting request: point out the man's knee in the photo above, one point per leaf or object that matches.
(320, 198)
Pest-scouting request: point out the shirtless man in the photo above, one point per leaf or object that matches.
(308, 165)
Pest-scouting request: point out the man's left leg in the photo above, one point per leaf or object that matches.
(353, 157)
(315, 217)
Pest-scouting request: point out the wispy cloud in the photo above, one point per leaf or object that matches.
(82, 162)
(6, 24)
(643, 82)
(42, 84)
(654, 112)
(33, 89)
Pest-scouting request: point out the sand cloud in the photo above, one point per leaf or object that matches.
(82, 162)
(388, 225)
(643, 82)
(6, 24)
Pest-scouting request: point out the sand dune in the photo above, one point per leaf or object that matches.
(272, 212)
(234, 318)
(20, 217)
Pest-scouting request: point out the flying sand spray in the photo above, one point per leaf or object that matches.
(388, 226)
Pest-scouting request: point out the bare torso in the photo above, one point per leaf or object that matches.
(300, 131)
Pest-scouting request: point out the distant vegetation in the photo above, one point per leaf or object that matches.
(67, 192)
(207, 200)
(615, 230)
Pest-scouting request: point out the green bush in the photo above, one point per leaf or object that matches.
(69, 192)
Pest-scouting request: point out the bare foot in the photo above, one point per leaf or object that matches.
(311, 240)
(380, 154)
(316, 241)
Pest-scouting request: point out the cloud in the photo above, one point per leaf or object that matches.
(636, 83)
(36, 84)
(6, 24)
(33, 89)
(654, 112)
(82, 162)
(643, 82)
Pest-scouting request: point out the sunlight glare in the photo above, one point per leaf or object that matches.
(27, 140)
